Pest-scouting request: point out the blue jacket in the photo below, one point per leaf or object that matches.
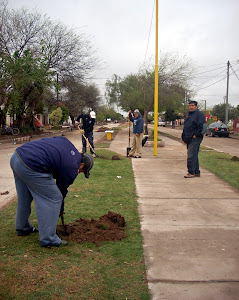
(138, 124)
(56, 156)
(193, 125)
(88, 122)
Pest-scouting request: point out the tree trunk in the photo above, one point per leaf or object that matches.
(145, 121)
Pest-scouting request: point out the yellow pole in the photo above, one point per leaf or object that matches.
(156, 88)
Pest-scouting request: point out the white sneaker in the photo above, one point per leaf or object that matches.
(93, 155)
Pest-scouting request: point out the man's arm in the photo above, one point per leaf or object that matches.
(199, 129)
(79, 117)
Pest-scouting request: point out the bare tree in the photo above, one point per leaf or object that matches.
(34, 51)
(137, 90)
(63, 49)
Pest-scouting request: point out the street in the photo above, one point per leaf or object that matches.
(227, 145)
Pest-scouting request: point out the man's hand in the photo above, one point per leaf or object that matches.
(137, 134)
(61, 213)
(76, 122)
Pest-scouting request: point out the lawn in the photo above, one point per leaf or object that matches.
(112, 270)
(222, 165)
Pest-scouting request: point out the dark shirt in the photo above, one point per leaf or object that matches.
(138, 124)
(193, 125)
(88, 122)
(56, 156)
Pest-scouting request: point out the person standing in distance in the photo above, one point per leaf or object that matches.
(138, 129)
(193, 130)
(88, 126)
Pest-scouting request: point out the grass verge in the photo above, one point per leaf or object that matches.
(102, 145)
(221, 165)
(113, 270)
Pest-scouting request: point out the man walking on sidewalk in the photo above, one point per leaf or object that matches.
(192, 136)
(138, 129)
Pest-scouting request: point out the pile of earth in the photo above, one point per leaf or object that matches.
(109, 227)
(102, 129)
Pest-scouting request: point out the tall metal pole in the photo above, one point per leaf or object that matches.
(226, 116)
(205, 107)
(57, 90)
(156, 88)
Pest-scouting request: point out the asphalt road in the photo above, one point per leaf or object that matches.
(222, 144)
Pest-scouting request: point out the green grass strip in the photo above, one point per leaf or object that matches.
(113, 270)
(221, 165)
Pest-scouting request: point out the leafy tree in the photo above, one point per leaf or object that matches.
(80, 95)
(170, 115)
(105, 112)
(34, 51)
(137, 90)
(219, 110)
(24, 78)
(55, 117)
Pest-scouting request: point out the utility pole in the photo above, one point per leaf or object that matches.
(184, 106)
(226, 116)
(156, 87)
(205, 109)
(57, 89)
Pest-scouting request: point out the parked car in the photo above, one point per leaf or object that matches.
(161, 123)
(217, 128)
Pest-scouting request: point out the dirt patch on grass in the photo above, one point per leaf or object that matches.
(102, 129)
(109, 227)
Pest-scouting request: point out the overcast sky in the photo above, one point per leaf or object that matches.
(204, 30)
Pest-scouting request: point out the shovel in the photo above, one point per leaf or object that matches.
(87, 141)
(63, 229)
(129, 148)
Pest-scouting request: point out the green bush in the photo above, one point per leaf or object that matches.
(55, 117)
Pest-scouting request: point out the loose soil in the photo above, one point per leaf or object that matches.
(115, 157)
(102, 129)
(109, 227)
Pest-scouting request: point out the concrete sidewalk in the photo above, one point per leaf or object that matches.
(190, 226)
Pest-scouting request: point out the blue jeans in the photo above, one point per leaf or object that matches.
(42, 188)
(192, 161)
(90, 138)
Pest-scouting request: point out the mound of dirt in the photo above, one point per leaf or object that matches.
(109, 227)
(115, 157)
(102, 129)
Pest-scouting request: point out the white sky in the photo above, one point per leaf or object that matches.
(204, 30)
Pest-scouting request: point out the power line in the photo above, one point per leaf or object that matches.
(149, 33)
(213, 77)
(209, 70)
(215, 82)
(211, 84)
(234, 72)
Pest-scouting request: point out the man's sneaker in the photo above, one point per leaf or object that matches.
(137, 156)
(93, 155)
(26, 232)
(63, 243)
(189, 175)
(197, 175)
